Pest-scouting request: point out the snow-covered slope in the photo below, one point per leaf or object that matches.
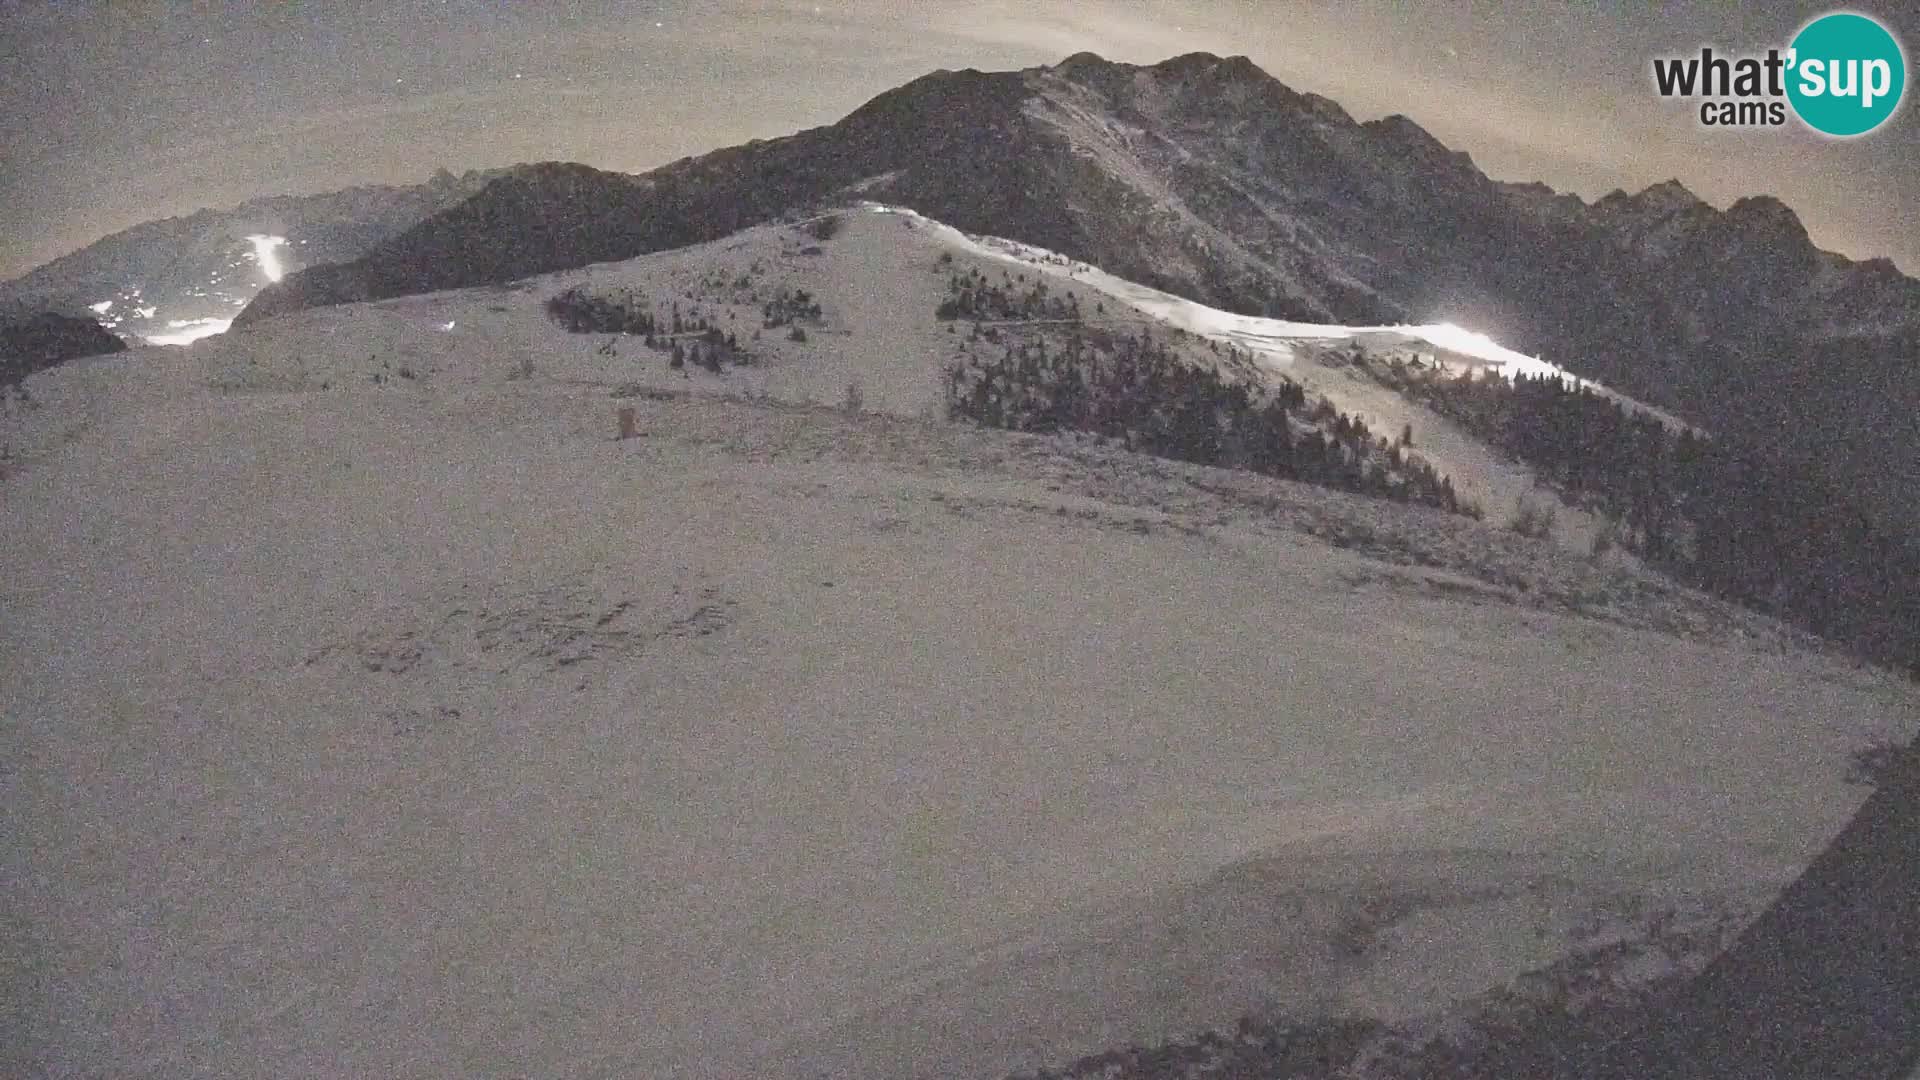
(1296, 349)
(1278, 341)
(884, 282)
(373, 710)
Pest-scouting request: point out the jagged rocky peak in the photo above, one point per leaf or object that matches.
(1193, 65)
(1225, 67)
(1661, 199)
(1541, 199)
(1203, 78)
(1670, 195)
(1237, 76)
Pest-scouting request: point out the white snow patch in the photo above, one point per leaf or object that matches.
(263, 253)
(188, 331)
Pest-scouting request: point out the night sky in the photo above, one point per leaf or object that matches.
(120, 113)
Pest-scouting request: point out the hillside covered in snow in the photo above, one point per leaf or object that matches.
(384, 702)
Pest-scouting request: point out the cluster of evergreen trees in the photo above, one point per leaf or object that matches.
(582, 312)
(790, 306)
(1138, 391)
(1737, 520)
(685, 338)
(972, 295)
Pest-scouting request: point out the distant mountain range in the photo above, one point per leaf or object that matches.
(167, 277)
(1206, 177)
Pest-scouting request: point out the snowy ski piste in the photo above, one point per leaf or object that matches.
(1272, 341)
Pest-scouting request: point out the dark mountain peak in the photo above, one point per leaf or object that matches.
(1193, 65)
(1544, 202)
(1216, 82)
(1189, 63)
(969, 94)
(1083, 61)
(534, 217)
(1670, 194)
(1399, 134)
(1770, 228)
(1764, 212)
(1400, 128)
(1660, 200)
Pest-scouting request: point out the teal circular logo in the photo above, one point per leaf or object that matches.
(1846, 74)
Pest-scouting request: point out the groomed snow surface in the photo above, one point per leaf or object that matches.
(363, 723)
(1271, 339)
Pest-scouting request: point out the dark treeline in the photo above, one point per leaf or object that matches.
(685, 339)
(973, 295)
(1138, 391)
(1734, 520)
(582, 312)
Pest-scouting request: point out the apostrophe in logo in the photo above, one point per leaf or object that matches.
(1843, 75)
(1848, 74)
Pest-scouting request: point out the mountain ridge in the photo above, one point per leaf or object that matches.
(203, 266)
(1042, 105)
(1208, 178)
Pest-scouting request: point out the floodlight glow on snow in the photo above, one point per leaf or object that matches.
(1464, 342)
(1471, 342)
(263, 254)
(188, 331)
